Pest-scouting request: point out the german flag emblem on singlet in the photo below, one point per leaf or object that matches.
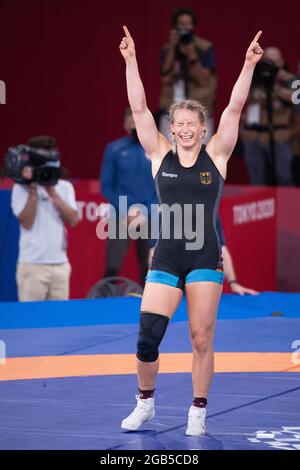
(205, 177)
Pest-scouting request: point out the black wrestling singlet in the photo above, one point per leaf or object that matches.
(200, 185)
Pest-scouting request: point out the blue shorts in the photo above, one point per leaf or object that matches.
(197, 275)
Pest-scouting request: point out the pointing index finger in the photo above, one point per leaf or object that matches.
(257, 36)
(126, 31)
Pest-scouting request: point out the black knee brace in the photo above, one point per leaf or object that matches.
(152, 329)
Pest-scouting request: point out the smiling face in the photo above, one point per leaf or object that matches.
(187, 128)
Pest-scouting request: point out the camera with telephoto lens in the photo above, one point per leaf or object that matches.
(45, 165)
(185, 37)
(265, 74)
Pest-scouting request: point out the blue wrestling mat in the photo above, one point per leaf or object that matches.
(61, 386)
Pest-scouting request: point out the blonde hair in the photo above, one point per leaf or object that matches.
(191, 105)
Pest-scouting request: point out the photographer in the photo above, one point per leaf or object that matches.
(269, 123)
(188, 69)
(42, 206)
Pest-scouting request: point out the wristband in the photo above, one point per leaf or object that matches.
(233, 281)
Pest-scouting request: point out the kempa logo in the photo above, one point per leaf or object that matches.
(169, 175)
(2, 92)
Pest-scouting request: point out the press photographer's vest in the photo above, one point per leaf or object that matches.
(281, 115)
(206, 95)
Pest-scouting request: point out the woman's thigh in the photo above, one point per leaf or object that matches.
(203, 301)
(160, 298)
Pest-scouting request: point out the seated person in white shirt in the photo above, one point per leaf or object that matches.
(43, 269)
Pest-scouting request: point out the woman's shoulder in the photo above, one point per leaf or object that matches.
(161, 162)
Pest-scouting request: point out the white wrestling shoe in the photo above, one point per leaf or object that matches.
(144, 411)
(196, 422)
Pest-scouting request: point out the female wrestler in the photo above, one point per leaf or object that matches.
(187, 173)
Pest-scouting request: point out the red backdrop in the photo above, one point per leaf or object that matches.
(65, 77)
(249, 216)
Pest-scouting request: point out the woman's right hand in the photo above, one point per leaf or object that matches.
(127, 48)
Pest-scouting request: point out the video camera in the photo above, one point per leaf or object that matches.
(45, 165)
